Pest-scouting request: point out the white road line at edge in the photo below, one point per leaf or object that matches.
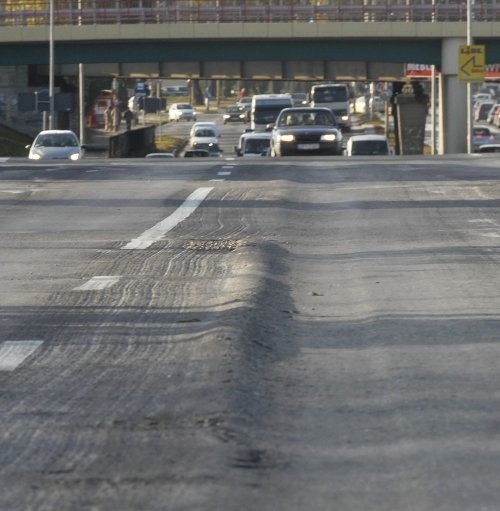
(14, 353)
(156, 233)
(98, 282)
(3, 160)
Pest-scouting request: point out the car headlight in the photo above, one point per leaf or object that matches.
(345, 117)
(287, 137)
(329, 137)
(74, 156)
(35, 156)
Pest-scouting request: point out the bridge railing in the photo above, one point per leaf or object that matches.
(97, 12)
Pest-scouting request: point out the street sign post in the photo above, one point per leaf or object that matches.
(471, 63)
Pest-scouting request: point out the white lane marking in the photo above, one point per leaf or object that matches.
(3, 160)
(14, 353)
(93, 170)
(228, 166)
(12, 191)
(482, 221)
(223, 173)
(156, 233)
(98, 282)
(490, 235)
(216, 180)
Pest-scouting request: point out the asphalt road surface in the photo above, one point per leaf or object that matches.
(294, 334)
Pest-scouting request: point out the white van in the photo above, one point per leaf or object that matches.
(336, 97)
(368, 145)
(266, 108)
(252, 145)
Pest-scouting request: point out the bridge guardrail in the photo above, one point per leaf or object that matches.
(66, 12)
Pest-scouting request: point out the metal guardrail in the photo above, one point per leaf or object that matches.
(98, 12)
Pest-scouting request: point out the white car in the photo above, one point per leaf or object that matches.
(368, 145)
(377, 104)
(181, 112)
(204, 124)
(252, 145)
(56, 145)
(203, 136)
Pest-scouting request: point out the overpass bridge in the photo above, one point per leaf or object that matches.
(279, 40)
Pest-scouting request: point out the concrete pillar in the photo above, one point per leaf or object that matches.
(452, 101)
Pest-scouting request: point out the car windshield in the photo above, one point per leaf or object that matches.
(208, 146)
(257, 145)
(330, 94)
(184, 107)
(481, 132)
(307, 118)
(369, 147)
(204, 133)
(56, 140)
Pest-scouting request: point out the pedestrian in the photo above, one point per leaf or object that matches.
(108, 118)
(116, 118)
(128, 116)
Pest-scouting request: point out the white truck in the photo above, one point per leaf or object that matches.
(336, 97)
(266, 108)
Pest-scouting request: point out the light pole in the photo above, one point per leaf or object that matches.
(81, 84)
(51, 64)
(469, 87)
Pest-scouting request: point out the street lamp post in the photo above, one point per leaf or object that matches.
(81, 84)
(469, 87)
(51, 65)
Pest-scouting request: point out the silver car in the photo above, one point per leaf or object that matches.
(56, 145)
(181, 112)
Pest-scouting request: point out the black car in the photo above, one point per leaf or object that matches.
(203, 149)
(234, 114)
(304, 131)
(481, 136)
(196, 153)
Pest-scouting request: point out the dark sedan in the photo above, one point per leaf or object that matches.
(306, 130)
(481, 136)
(234, 114)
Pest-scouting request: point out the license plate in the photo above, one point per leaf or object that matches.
(307, 147)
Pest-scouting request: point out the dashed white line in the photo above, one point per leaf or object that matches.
(14, 353)
(3, 160)
(490, 235)
(98, 282)
(156, 233)
(223, 173)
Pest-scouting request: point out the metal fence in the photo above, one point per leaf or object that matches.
(97, 12)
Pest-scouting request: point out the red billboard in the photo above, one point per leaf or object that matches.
(491, 71)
